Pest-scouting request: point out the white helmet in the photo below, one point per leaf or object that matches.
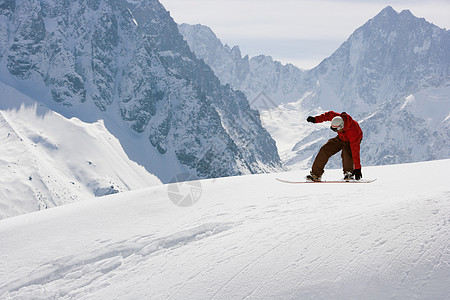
(337, 123)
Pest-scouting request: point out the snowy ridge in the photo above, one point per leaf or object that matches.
(49, 160)
(385, 240)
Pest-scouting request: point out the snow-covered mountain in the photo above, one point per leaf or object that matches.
(247, 237)
(265, 82)
(392, 74)
(390, 57)
(126, 63)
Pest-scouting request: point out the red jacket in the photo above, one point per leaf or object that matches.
(351, 133)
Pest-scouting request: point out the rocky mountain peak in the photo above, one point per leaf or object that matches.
(129, 59)
(388, 56)
(255, 76)
(387, 13)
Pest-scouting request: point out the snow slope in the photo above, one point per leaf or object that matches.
(49, 160)
(247, 237)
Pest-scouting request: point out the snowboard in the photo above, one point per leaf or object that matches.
(326, 181)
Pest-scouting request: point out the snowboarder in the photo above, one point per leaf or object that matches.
(348, 140)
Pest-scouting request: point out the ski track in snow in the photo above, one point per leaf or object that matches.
(102, 261)
(248, 237)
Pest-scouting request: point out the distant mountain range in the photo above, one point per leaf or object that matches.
(392, 74)
(258, 77)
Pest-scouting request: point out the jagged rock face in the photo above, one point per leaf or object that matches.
(129, 58)
(390, 58)
(228, 64)
(265, 82)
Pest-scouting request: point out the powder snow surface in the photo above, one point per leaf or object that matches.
(48, 160)
(248, 237)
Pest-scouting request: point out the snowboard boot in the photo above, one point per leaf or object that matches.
(314, 178)
(349, 176)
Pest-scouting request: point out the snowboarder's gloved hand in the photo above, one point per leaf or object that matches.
(311, 119)
(357, 173)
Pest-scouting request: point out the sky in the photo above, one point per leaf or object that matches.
(301, 32)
